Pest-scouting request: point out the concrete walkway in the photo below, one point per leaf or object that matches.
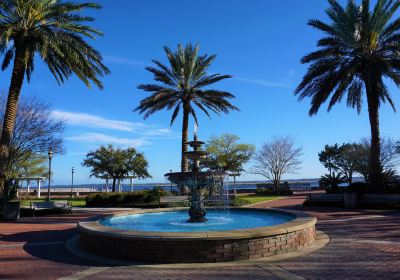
(364, 245)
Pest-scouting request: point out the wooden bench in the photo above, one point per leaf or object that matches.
(322, 197)
(173, 199)
(62, 205)
(390, 199)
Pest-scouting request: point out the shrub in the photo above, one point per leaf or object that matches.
(358, 187)
(237, 202)
(116, 199)
(135, 198)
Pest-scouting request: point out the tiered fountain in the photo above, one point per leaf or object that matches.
(196, 180)
(166, 235)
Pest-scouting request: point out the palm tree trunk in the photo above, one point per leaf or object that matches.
(185, 127)
(17, 80)
(375, 167)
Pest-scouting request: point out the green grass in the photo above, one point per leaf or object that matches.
(252, 198)
(78, 202)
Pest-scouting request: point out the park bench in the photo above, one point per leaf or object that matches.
(61, 205)
(389, 199)
(324, 197)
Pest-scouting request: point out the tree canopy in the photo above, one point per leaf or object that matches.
(227, 155)
(342, 159)
(183, 85)
(35, 131)
(116, 163)
(277, 157)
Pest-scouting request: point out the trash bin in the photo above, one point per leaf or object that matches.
(11, 210)
(350, 200)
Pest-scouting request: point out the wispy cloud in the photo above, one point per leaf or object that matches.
(262, 82)
(100, 138)
(93, 121)
(123, 60)
(87, 120)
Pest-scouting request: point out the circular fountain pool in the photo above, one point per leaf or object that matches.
(162, 235)
(176, 221)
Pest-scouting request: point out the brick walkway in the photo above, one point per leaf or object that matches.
(364, 245)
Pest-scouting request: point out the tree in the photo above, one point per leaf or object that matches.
(332, 180)
(360, 47)
(116, 163)
(54, 31)
(182, 85)
(32, 165)
(390, 157)
(327, 157)
(226, 155)
(35, 131)
(278, 157)
(342, 159)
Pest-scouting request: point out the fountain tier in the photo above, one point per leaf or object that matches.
(196, 181)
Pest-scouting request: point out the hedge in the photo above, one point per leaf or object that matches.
(135, 198)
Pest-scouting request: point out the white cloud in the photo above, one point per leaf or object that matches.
(123, 60)
(87, 120)
(262, 82)
(93, 121)
(99, 138)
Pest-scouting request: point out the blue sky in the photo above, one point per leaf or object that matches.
(259, 42)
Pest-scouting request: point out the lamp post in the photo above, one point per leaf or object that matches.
(50, 154)
(72, 181)
(170, 171)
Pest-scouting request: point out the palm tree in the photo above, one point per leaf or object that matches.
(54, 31)
(359, 49)
(182, 86)
(332, 180)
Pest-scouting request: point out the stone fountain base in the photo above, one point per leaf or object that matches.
(198, 247)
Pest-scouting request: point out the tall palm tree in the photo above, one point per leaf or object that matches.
(53, 30)
(182, 85)
(359, 49)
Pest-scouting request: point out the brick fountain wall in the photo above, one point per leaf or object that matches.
(192, 248)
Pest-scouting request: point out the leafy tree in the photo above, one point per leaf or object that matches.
(53, 30)
(359, 49)
(182, 85)
(327, 157)
(341, 159)
(278, 157)
(116, 163)
(226, 155)
(33, 165)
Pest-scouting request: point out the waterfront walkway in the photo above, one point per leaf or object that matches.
(364, 245)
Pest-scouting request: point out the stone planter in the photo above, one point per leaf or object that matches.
(350, 200)
(11, 210)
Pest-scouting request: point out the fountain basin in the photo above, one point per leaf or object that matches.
(198, 246)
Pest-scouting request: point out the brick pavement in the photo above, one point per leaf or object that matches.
(364, 245)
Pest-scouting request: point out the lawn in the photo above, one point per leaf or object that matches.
(77, 202)
(252, 198)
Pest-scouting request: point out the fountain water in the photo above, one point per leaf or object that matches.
(197, 181)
